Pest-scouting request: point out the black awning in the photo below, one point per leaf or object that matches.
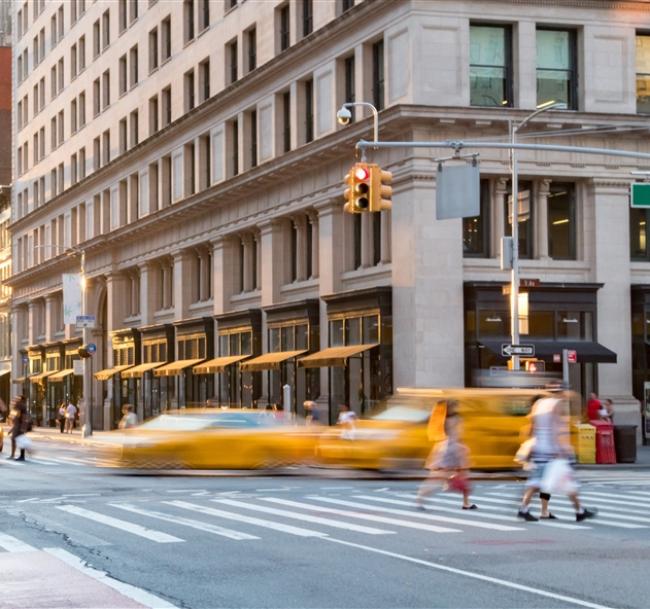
(588, 351)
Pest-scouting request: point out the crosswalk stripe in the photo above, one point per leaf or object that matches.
(642, 493)
(497, 508)
(260, 522)
(188, 522)
(12, 544)
(123, 525)
(621, 499)
(306, 517)
(412, 513)
(371, 517)
(555, 500)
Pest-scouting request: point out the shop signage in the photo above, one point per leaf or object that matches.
(571, 356)
(85, 321)
(78, 367)
(640, 194)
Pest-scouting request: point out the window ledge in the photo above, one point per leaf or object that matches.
(299, 285)
(246, 296)
(370, 271)
(201, 304)
(163, 313)
(132, 319)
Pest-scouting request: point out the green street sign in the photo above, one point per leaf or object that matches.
(640, 194)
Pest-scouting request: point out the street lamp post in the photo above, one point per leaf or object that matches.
(344, 116)
(514, 274)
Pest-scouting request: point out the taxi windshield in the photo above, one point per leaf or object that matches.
(169, 422)
(407, 414)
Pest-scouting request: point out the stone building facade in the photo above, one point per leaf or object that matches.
(190, 152)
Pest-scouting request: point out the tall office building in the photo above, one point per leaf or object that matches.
(188, 152)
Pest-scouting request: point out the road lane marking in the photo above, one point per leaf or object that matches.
(123, 525)
(418, 515)
(473, 575)
(622, 499)
(188, 522)
(372, 517)
(12, 544)
(544, 523)
(555, 508)
(306, 517)
(268, 524)
(137, 594)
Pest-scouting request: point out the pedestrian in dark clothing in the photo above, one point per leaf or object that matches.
(19, 424)
(61, 417)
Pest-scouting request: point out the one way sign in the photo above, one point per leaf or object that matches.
(510, 350)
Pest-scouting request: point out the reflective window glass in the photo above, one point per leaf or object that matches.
(490, 69)
(562, 222)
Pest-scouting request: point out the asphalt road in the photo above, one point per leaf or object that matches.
(75, 535)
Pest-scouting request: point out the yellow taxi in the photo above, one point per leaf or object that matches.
(214, 439)
(403, 431)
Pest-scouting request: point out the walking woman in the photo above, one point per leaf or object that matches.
(448, 461)
(19, 424)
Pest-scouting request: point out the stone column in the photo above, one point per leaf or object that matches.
(50, 314)
(427, 291)
(247, 241)
(366, 240)
(222, 277)
(331, 265)
(313, 227)
(271, 268)
(541, 211)
(32, 322)
(300, 222)
(385, 237)
(204, 258)
(148, 288)
(258, 263)
(181, 296)
(17, 326)
(607, 210)
(499, 213)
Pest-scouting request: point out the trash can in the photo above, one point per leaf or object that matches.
(605, 452)
(625, 441)
(584, 442)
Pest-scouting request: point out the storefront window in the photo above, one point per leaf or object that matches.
(337, 336)
(541, 324)
(639, 234)
(476, 230)
(274, 339)
(370, 329)
(246, 341)
(562, 222)
(234, 345)
(643, 73)
(353, 331)
(525, 206)
(490, 66)
(302, 336)
(556, 67)
(493, 323)
(575, 325)
(287, 338)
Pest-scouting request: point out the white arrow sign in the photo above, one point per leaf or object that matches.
(510, 350)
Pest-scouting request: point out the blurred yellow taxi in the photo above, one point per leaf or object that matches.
(403, 431)
(215, 439)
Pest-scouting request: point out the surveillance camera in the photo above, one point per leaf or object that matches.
(343, 116)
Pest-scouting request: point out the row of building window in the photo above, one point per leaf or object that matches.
(557, 60)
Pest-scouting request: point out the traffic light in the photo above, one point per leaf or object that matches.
(535, 365)
(368, 189)
(381, 190)
(357, 194)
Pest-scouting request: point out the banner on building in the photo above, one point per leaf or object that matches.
(72, 295)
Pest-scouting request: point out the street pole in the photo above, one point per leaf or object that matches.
(514, 273)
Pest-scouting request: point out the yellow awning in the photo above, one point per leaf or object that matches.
(270, 361)
(107, 373)
(41, 376)
(332, 356)
(138, 371)
(218, 364)
(175, 368)
(60, 375)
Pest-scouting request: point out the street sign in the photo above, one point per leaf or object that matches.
(529, 283)
(78, 367)
(571, 356)
(85, 321)
(524, 350)
(91, 347)
(640, 194)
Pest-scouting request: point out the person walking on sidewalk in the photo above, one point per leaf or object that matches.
(60, 417)
(549, 443)
(448, 462)
(70, 415)
(129, 418)
(19, 424)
